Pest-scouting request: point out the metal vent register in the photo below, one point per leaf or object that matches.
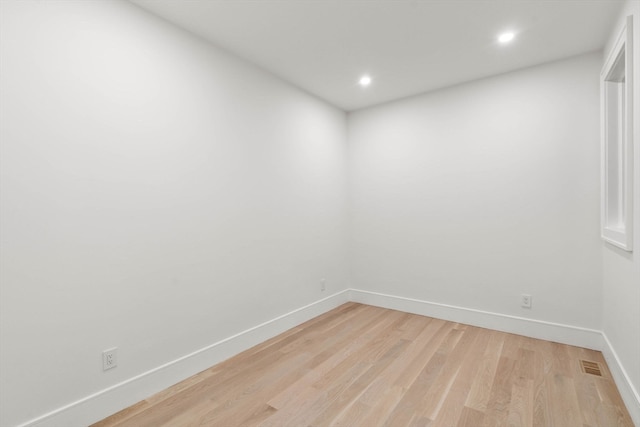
(591, 368)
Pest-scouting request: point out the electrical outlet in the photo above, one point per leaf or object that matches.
(525, 301)
(323, 285)
(109, 359)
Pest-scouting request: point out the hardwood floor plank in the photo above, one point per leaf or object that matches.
(500, 395)
(365, 366)
(470, 417)
(522, 391)
(430, 347)
(561, 360)
(310, 400)
(349, 347)
(355, 390)
(434, 398)
(479, 393)
(565, 409)
(409, 405)
(521, 407)
(452, 406)
(376, 398)
(542, 373)
(611, 409)
(352, 415)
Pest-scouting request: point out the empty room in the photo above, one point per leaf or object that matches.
(319, 213)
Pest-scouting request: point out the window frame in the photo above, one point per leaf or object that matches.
(617, 128)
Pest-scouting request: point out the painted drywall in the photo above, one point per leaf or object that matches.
(158, 196)
(621, 270)
(476, 194)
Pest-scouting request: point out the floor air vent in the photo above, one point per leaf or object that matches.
(590, 368)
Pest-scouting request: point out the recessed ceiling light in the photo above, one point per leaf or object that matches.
(506, 37)
(365, 81)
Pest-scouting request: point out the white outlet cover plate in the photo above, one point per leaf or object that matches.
(109, 359)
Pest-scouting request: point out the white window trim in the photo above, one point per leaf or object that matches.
(620, 235)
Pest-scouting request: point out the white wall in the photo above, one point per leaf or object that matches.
(621, 281)
(473, 195)
(158, 195)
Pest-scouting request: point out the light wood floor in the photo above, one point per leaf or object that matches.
(359, 365)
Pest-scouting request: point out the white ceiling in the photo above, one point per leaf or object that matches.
(407, 46)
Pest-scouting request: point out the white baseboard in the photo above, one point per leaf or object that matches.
(565, 334)
(113, 399)
(100, 405)
(629, 394)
